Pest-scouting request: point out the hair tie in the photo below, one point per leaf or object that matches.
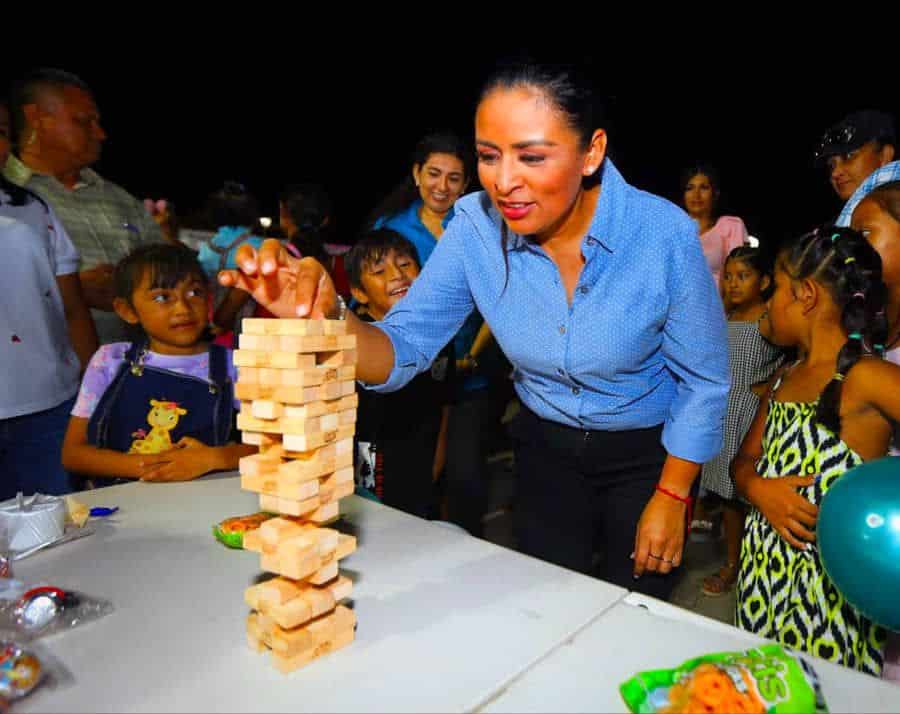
(849, 260)
(835, 237)
(860, 295)
(880, 348)
(838, 377)
(854, 336)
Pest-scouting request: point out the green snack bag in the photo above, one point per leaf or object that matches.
(231, 531)
(764, 680)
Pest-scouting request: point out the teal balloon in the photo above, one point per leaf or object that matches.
(858, 534)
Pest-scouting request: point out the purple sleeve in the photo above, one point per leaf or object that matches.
(100, 372)
(232, 374)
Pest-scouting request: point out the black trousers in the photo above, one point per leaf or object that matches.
(580, 494)
(468, 440)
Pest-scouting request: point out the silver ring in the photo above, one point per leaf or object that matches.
(656, 557)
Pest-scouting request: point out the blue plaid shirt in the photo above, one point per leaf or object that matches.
(886, 174)
(643, 343)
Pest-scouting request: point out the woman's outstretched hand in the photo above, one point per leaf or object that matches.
(284, 285)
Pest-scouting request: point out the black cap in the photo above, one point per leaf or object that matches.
(853, 131)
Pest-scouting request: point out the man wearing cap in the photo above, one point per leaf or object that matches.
(859, 151)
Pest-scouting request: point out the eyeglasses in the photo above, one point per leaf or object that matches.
(843, 135)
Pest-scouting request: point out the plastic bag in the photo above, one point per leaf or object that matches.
(231, 531)
(30, 612)
(765, 680)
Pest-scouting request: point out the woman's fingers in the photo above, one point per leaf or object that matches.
(309, 289)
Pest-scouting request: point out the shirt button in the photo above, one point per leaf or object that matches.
(562, 329)
(576, 390)
(591, 241)
(561, 372)
(583, 289)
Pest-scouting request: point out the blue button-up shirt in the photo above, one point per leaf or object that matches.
(644, 341)
(885, 174)
(408, 224)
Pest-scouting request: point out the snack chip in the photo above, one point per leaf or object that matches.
(231, 531)
(765, 680)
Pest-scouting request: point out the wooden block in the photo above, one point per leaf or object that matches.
(248, 375)
(314, 409)
(274, 360)
(293, 425)
(303, 466)
(286, 665)
(324, 574)
(325, 514)
(257, 342)
(262, 440)
(265, 483)
(291, 604)
(283, 326)
(336, 486)
(341, 358)
(325, 343)
(259, 464)
(334, 327)
(263, 409)
(346, 546)
(287, 506)
(309, 441)
(276, 530)
(316, 376)
(315, 633)
(253, 541)
(295, 395)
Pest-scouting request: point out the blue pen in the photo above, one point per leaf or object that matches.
(100, 511)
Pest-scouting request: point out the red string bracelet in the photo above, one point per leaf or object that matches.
(686, 500)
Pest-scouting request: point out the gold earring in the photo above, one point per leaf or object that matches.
(33, 138)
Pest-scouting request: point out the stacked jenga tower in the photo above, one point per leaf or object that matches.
(298, 405)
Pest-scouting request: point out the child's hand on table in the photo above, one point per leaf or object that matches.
(188, 459)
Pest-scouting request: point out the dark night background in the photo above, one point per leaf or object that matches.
(179, 126)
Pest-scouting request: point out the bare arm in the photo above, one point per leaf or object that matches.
(81, 457)
(289, 287)
(82, 332)
(187, 460)
(662, 526)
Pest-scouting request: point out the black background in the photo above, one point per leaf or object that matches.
(180, 122)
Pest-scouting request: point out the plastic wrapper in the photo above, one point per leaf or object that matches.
(27, 666)
(765, 680)
(29, 612)
(231, 531)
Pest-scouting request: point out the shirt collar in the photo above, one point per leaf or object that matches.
(20, 173)
(412, 215)
(608, 214)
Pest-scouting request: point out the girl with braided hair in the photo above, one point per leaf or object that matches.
(826, 413)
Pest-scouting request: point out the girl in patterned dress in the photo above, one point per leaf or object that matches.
(828, 412)
(747, 280)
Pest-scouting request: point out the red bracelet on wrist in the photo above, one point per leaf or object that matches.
(686, 500)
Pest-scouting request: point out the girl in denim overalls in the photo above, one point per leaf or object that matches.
(159, 408)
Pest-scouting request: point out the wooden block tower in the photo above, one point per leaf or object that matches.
(298, 405)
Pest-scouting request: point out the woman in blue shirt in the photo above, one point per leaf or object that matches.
(599, 295)
(419, 209)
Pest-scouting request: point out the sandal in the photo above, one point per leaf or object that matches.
(720, 583)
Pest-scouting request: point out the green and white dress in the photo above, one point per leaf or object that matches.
(784, 593)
